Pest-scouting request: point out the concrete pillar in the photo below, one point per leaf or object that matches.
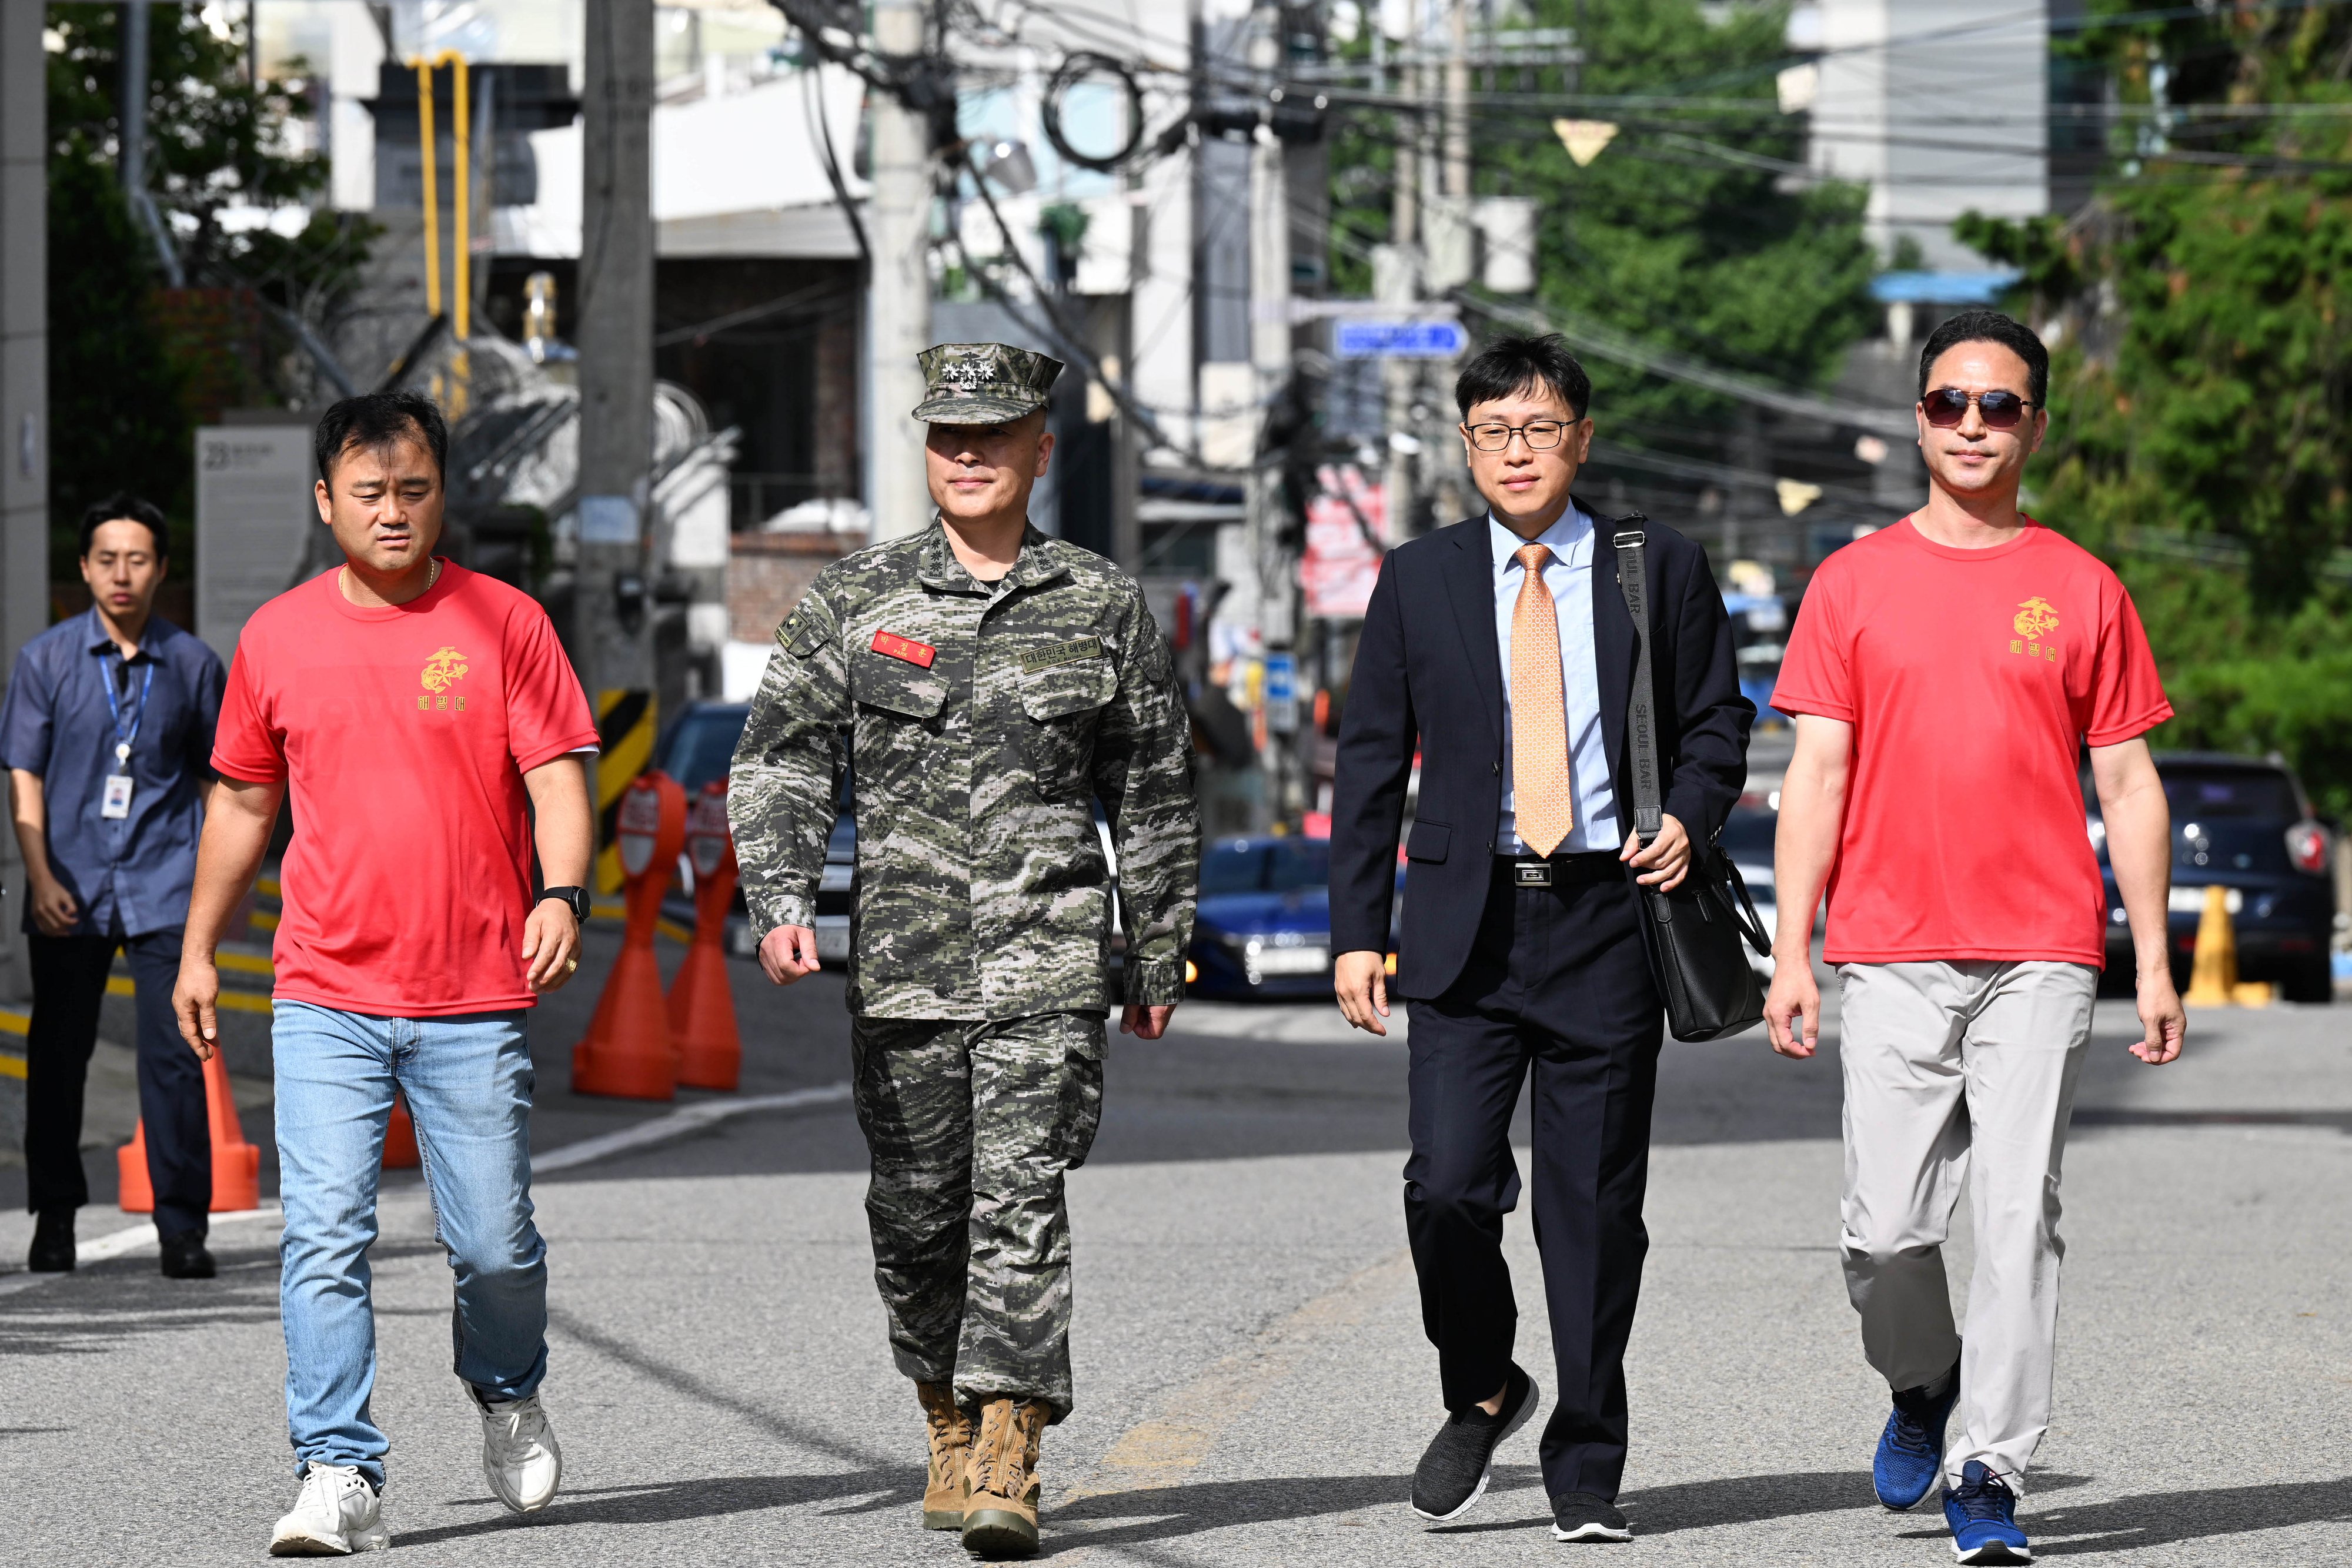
(24, 383)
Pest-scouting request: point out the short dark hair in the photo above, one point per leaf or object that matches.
(374, 421)
(1990, 327)
(1515, 363)
(122, 506)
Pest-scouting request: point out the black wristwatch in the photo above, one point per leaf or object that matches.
(575, 899)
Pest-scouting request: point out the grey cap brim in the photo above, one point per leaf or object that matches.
(963, 410)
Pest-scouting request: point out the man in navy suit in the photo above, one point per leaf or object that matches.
(1501, 650)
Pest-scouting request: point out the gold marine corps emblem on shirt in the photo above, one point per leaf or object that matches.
(445, 669)
(2033, 623)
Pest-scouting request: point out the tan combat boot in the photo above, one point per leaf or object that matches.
(999, 1516)
(950, 1433)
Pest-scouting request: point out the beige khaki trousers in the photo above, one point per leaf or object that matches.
(1953, 1071)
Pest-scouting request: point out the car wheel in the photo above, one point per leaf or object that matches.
(2311, 980)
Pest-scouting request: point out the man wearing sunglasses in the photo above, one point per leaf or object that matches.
(1945, 673)
(1501, 650)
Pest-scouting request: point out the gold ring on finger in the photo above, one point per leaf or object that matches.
(571, 965)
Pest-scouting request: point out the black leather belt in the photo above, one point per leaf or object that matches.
(1560, 871)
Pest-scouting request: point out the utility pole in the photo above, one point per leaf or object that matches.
(898, 296)
(1452, 491)
(612, 603)
(1396, 281)
(1270, 360)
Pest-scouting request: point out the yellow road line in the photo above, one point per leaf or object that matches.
(267, 887)
(246, 963)
(235, 1001)
(1164, 1452)
(264, 921)
(11, 1065)
(13, 1022)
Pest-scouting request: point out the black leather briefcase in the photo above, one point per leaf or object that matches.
(1695, 933)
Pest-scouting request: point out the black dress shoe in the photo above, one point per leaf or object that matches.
(1582, 1516)
(1453, 1470)
(53, 1243)
(185, 1256)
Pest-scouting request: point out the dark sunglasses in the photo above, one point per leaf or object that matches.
(1948, 406)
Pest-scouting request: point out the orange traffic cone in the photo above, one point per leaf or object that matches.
(701, 1002)
(399, 1138)
(628, 1052)
(236, 1164)
(137, 1193)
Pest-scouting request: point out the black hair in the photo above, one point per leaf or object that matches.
(1515, 363)
(123, 505)
(374, 421)
(1990, 327)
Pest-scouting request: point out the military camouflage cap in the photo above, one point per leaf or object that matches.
(983, 383)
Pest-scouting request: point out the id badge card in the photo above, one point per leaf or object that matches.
(117, 800)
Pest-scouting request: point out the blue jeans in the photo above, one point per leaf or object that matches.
(467, 1081)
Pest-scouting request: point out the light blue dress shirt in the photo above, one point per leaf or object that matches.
(1568, 577)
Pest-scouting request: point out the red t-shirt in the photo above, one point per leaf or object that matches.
(1971, 678)
(404, 734)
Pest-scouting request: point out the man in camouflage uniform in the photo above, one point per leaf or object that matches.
(994, 684)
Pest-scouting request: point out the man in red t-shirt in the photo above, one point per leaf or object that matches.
(423, 718)
(1945, 673)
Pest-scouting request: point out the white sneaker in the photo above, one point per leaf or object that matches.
(336, 1514)
(519, 1453)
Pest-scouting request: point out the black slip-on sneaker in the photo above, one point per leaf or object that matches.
(185, 1256)
(52, 1251)
(1582, 1516)
(1453, 1471)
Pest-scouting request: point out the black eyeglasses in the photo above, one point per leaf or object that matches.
(1948, 406)
(1541, 435)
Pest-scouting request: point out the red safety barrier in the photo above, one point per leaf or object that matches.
(701, 1002)
(400, 1152)
(628, 1052)
(236, 1164)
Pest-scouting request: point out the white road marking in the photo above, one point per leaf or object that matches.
(679, 1124)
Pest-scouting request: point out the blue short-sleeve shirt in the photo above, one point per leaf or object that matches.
(129, 874)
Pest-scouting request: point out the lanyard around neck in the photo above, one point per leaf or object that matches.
(122, 738)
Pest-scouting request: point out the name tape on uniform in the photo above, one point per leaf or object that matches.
(905, 648)
(1062, 653)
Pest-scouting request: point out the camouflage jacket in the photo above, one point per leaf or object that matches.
(983, 720)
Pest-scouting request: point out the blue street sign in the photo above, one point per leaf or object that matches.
(1399, 340)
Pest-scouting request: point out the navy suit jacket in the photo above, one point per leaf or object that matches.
(1428, 676)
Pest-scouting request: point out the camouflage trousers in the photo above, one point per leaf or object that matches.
(970, 1127)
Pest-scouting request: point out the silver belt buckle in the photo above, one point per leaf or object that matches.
(1532, 873)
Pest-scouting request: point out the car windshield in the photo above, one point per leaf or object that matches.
(704, 744)
(1265, 865)
(2200, 794)
(1747, 836)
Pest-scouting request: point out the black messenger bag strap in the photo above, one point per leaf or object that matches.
(1634, 581)
(1695, 933)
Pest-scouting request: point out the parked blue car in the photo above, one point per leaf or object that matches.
(1264, 925)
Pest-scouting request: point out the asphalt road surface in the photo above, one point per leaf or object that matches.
(1253, 1383)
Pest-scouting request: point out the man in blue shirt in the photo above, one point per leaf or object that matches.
(107, 732)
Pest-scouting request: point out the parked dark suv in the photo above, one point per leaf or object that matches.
(2242, 823)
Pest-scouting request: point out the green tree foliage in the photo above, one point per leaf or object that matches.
(2200, 383)
(1680, 233)
(214, 140)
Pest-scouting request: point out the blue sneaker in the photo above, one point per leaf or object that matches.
(1983, 1516)
(1910, 1457)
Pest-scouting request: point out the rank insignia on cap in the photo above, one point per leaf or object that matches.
(906, 648)
(983, 383)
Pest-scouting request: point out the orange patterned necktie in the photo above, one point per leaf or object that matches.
(1540, 795)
